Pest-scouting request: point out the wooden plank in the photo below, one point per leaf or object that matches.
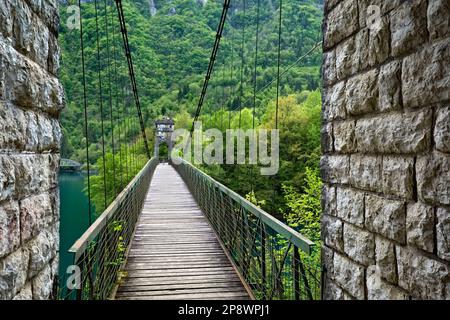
(175, 254)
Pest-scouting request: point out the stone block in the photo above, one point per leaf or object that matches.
(13, 127)
(349, 275)
(433, 178)
(35, 214)
(361, 93)
(442, 129)
(25, 294)
(365, 172)
(365, 15)
(334, 169)
(328, 200)
(341, 22)
(423, 277)
(42, 249)
(386, 217)
(7, 177)
(350, 206)
(334, 102)
(443, 233)
(389, 87)
(377, 289)
(333, 292)
(13, 273)
(408, 24)
(395, 133)
(9, 228)
(359, 245)
(420, 226)
(326, 134)
(352, 55)
(344, 137)
(30, 86)
(385, 259)
(379, 43)
(438, 14)
(426, 75)
(43, 284)
(332, 230)
(6, 18)
(329, 68)
(398, 176)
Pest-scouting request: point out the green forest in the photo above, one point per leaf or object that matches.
(171, 45)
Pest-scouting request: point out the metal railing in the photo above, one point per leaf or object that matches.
(273, 259)
(100, 253)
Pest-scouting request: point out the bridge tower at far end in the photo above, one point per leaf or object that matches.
(163, 134)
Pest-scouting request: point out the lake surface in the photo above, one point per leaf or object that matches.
(74, 215)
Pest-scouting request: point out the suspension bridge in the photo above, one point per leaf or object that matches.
(171, 231)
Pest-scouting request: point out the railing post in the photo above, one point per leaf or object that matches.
(263, 262)
(295, 266)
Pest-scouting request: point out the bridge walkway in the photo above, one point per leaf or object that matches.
(175, 253)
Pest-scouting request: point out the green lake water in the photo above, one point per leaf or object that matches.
(74, 215)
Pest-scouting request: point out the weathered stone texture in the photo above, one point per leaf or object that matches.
(396, 133)
(398, 177)
(386, 143)
(389, 87)
(408, 26)
(386, 217)
(329, 199)
(332, 232)
(438, 18)
(385, 259)
(442, 130)
(443, 233)
(349, 275)
(342, 21)
(423, 277)
(350, 206)
(31, 98)
(9, 228)
(335, 100)
(426, 75)
(433, 178)
(335, 169)
(13, 273)
(361, 93)
(420, 226)
(365, 172)
(359, 244)
(377, 289)
(345, 141)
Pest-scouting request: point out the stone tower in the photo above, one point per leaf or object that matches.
(31, 99)
(386, 146)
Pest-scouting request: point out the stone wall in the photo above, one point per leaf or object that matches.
(386, 149)
(31, 99)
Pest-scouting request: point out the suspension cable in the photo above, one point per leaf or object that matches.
(111, 116)
(100, 95)
(279, 63)
(256, 60)
(241, 93)
(301, 58)
(86, 125)
(123, 29)
(212, 61)
(116, 90)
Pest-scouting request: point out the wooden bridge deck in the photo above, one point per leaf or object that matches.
(175, 253)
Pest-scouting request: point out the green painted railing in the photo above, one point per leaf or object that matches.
(100, 253)
(273, 259)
